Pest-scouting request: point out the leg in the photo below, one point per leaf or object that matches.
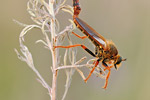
(97, 62)
(84, 47)
(81, 37)
(108, 74)
(106, 82)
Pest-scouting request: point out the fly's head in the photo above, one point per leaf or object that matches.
(111, 53)
(118, 61)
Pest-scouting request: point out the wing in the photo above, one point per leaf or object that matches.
(95, 37)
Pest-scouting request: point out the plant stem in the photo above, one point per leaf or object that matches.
(54, 52)
(54, 81)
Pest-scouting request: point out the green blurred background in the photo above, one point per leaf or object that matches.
(126, 22)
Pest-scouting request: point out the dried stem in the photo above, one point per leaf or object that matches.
(54, 52)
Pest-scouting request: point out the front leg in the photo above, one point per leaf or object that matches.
(97, 62)
(108, 74)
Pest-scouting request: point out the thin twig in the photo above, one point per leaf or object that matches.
(73, 66)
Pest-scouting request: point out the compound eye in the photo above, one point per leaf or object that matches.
(119, 60)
